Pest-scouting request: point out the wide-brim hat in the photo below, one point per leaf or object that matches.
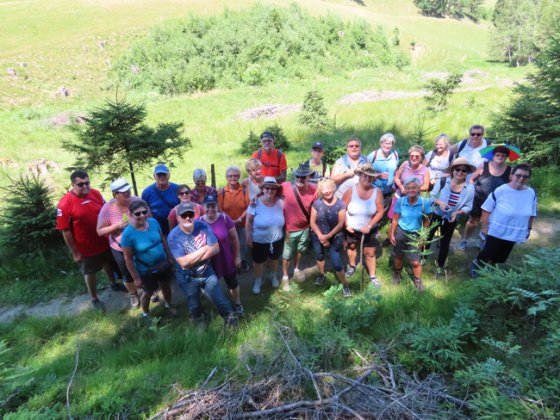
(366, 169)
(460, 161)
(269, 181)
(302, 170)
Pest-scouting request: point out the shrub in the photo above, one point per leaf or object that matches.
(440, 91)
(253, 140)
(29, 215)
(251, 47)
(314, 112)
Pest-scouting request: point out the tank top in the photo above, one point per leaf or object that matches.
(360, 211)
(407, 172)
(486, 182)
(252, 189)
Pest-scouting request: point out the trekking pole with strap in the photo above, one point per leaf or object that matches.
(362, 262)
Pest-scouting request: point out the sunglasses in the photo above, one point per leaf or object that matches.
(500, 154)
(233, 176)
(521, 176)
(267, 141)
(140, 213)
(301, 177)
(476, 134)
(354, 146)
(464, 170)
(82, 184)
(184, 192)
(269, 189)
(188, 214)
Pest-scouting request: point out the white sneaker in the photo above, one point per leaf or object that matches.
(274, 281)
(298, 275)
(285, 284)
(257, 286)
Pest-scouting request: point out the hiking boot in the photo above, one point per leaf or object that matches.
(134, 300)
(462, 246)
(440, 273)
(346, 292)
(98, 305)
(155, 297)
(350, 271)
(285, 284)
(397, 277)
(375, 282)
(274, 281)
(320, 280)
(244, 266)
(239, 310)
(118, 287)
(231, 320)
(418, 284)
(257, 286)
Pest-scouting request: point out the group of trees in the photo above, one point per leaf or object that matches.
(441, 8)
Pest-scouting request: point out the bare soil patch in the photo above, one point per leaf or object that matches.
(269, 111)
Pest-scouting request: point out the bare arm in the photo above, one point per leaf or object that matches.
(485, 218)
(71, 243)
(128, 255)
(338, 175)
(103, 229)
(477, 173)
(193, 258)
(397, 181)
(313, 223)
(426, 184)
(393, 228)
(249, 230)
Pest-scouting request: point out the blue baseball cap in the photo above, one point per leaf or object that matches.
(161, 169)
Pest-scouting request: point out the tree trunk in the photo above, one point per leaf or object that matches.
(132, 178)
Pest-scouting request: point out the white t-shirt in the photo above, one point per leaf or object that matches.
(510, 211)
(268, 222)
(438, 165)
(472, 154)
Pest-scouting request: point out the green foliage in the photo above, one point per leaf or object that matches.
(253, 140)
(355, 314)
(531, 121)
(314, 112)
(440, 91)
(28, 216)
(11, 380)
(441, 8)
(115, 140)
(251, 47)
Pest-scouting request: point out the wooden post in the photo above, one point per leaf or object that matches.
(213, 175)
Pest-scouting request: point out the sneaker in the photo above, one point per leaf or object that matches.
(257, 286)
(118, 287)
(462, 246)
(418, 284)
(155, 297)
(98, 305)
(171, 311)
(285, 284)
(346, 292)
(274, 281)
(134, 300)
(298, 275)
(231, 320)
(375, 282)
(320, 280)
(440, 273)
(244, 266)
(239, 310)
(350, 271)
(397, 277)
(474, 269)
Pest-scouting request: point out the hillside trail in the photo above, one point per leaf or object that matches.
(545, 233)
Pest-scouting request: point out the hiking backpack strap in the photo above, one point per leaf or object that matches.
(301, 206)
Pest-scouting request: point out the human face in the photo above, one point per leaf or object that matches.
(440, 146)
(460, 172)
(211, 211)
(162, 180)
(499, 157)
(184, 195)
(269, 192)
(476, 135)
(354, 148)
(328, 192)
(200, 183)
(317, 153)
(256, 173)
(415, 158)
(412, 189)
(81, 187)
(140, 216)
(519, 179)
(366, 180)
(186, 220)
(233, 178)
(386, 146)
(302, 181)
(267, 144)
(123, 198)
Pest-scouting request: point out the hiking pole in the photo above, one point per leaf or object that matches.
(362, 262)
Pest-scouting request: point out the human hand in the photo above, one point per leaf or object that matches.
(122, 225)
(350, 229)
(77, 256)
(366, 229)
(392, 239)
(384, 175)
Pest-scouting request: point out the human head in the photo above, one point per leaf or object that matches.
(443, 139)
(267, 141)
(302, 174)
(181, 190)
(270, 183)
(414, 151)
(121, 190)
(210, 203)
(233, 173)
(500, 153)
(139, 211)
(324, 185)
(254, 167)
(161, 175)
(80, 183)
(476, 132)
(460, 162)
(412, 186)
(522, 167)
(185, 215)
(387, 141)
(354, 147)
(199, 175)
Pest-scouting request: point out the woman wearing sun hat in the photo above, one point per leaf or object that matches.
(265, 230)
(487, 177)
(364, 204)
(452, 196)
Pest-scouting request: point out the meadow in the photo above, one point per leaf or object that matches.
(128, 371)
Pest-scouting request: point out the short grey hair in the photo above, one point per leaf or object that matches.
(199, 173)
(411, 179)
(233, 168)
(445, 138)
(387, 137)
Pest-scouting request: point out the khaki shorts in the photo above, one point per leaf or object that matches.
(295, 241)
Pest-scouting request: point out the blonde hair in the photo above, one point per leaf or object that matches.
(325, 182)
(253, 164)
(444, 138)
(417, 148)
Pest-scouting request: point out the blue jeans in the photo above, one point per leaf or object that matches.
(334, 250)
(192, 286)
(242, 242)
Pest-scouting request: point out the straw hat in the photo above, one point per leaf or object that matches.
(366, 169)
(460, 161)
(269, 181)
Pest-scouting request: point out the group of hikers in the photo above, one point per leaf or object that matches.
(199, 235)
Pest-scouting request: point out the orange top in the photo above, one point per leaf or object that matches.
(234, 203)
(272, 163)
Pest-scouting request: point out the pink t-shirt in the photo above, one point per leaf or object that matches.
(295, 218)
(223, 262)
(110, 215)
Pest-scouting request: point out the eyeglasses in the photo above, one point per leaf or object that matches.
(354, 146)
(267, 141)
(269, 189)
(476, 134)
(188, 214)
(301, 177)
(184, 192)
(82, 184)
(500, 155)
(161, 174)
(233, 176)
(140, 213)
(464, 170)
(125, 193)
(415, 156)
(521, 176)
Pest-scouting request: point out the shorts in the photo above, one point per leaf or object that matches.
(94, 263)
(231, 280)
(370, 241)
(495, 250)
(118, 256)
(476, 210)
(404, 247)
(295, 241)
(150, 282)
(261, 252)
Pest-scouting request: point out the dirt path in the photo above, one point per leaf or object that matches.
(546, 233)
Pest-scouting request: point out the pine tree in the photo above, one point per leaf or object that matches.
(314, 112)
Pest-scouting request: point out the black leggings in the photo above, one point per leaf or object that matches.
(446, 229)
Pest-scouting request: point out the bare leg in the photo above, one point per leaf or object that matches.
(342, 278)
(91, 284)
(131, 287)
(416, 269)
(469, 228)
(165, 288)
(145, 301)
(321, 267)
(369, 253)
(257, 269)
(297, 259)
(398, 263)
(352, 254)
(274, 266)
(235, 295)
(285, 266)
(108, 269)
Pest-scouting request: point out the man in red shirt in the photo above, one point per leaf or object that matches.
(298, 199)
(76, 217)
(273, 160)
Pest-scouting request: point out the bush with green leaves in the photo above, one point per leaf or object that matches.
(313, 112)
(439, 91)
(458, 8)
(28, 216)
(253, 140)
(251, 47)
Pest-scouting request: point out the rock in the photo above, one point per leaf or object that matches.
(7, 163)
(41, 166)
(63, 91)
(65, 118)
(12, 72)
(269, 111)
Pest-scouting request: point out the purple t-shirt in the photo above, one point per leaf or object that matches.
(223, 262)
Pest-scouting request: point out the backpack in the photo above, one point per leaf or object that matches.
(269, 164)
(450, 158)
(394, 154)
(324, 166)
(464, 143)
(361, 160)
